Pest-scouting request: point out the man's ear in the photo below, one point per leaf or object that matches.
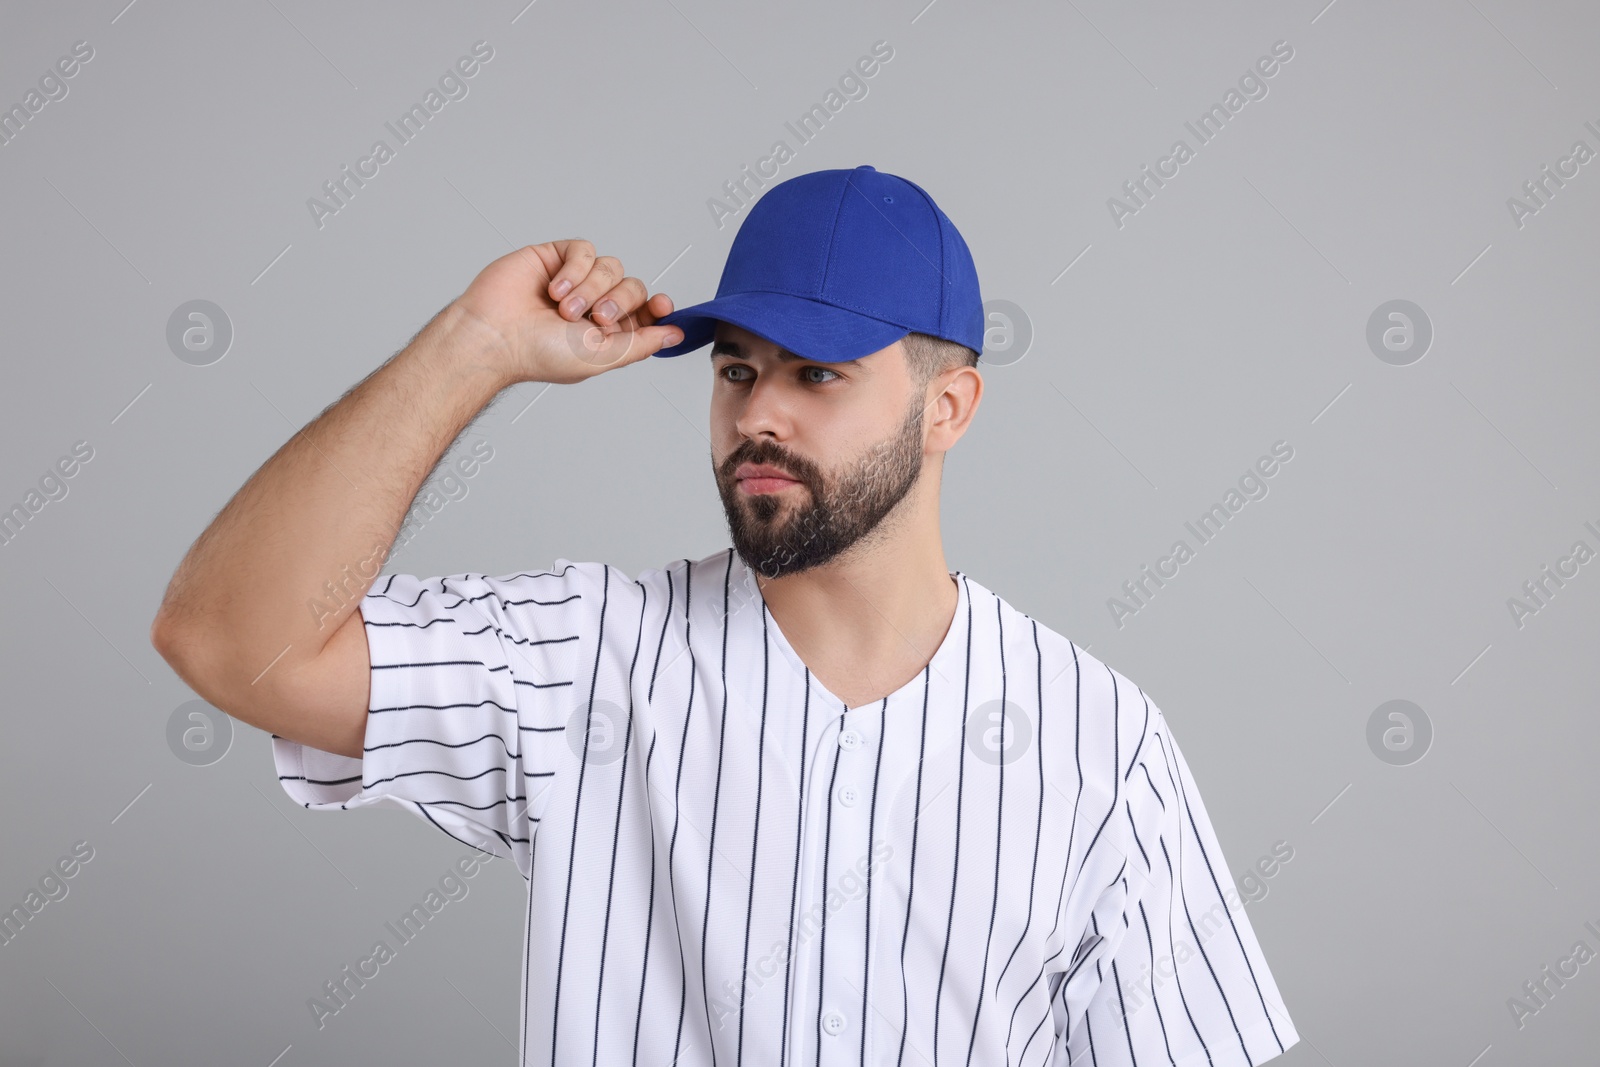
(954, 402)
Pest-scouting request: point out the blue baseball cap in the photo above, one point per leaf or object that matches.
(837, 264)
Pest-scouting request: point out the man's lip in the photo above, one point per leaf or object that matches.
(764, 486)
(748, 471)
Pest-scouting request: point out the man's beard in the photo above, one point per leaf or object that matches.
(775, 536)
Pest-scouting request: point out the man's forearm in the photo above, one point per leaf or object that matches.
(325, 508)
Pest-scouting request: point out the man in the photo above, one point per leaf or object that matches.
(811, 799)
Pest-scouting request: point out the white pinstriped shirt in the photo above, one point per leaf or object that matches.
(1004, 863)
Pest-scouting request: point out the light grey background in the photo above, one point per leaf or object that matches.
(1229, 313)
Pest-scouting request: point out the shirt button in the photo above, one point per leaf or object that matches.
(833, 1022)
(849, 739)
(847, 795)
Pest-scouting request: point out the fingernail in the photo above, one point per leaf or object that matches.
(608, 308)
(563, 287)
(578, 304)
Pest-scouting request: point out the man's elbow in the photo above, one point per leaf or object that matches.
(179, 643)
(197, 662)
(165, 640)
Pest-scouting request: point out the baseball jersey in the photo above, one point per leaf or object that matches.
(1003, 863)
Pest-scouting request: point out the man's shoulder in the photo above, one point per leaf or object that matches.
(598, 573)
(1014, 621)
(578, 583)
(1069, 661)
(572, 580)
(714, 569)
(601, 581)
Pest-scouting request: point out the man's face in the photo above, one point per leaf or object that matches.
(847, 438)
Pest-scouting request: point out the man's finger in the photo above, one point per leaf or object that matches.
(577, 257)
(615, 305)
(646, 314)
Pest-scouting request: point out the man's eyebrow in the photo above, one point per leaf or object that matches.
(734, 350)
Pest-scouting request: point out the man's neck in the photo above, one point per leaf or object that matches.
(865, 625)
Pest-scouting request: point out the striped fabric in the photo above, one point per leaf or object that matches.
(1004, 863)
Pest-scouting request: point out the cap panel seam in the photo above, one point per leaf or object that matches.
(944, 281)
(833, 232)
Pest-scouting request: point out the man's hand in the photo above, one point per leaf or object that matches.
(556, 312)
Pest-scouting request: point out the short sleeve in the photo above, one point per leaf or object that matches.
(1168, 969)
(474, 684)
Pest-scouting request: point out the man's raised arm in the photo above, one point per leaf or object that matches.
(237, 622)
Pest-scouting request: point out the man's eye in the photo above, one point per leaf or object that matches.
(803, 370)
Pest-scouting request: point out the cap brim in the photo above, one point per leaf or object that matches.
(805, 327)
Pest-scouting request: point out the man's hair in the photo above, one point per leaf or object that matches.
(927, 357)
